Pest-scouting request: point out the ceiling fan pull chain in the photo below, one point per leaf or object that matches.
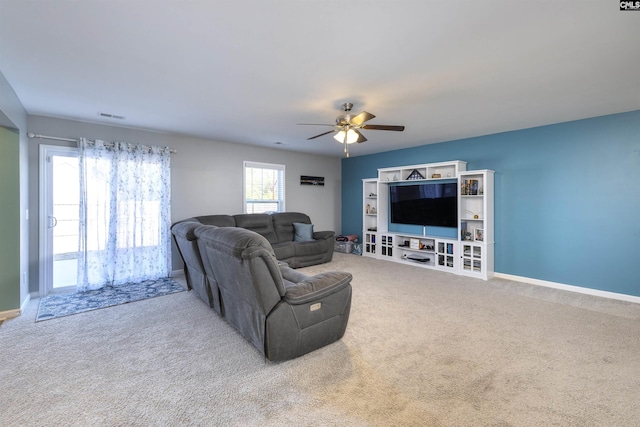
(346, 146)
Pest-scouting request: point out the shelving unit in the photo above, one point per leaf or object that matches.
(369, 216)
(475, 214)
(470, 254)
(416, 250)
(442, 170)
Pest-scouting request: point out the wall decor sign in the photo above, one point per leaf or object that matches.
(311, 180)
(629, 5)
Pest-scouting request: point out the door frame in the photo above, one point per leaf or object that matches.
(45, 240)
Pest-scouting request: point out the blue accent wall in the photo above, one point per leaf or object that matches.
(567, 197)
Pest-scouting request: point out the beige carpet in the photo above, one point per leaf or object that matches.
(422, 348)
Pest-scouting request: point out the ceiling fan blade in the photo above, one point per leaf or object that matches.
(325, 133)
(361, 137)
(382, 127)
(361, 118)
(313, 124)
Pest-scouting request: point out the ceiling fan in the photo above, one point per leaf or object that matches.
(347, 127)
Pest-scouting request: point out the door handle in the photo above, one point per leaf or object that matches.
(53, 221)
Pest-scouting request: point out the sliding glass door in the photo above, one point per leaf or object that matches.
(59, 200)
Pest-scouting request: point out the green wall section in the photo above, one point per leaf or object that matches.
(567, 197)
(9, 220)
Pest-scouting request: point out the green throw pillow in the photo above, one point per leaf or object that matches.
(303, 232)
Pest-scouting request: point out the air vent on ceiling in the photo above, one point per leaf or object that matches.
(111, 116)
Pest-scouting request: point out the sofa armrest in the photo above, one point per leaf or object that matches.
(291, 275)
(323, 235)
(185, 229)
(316, 287)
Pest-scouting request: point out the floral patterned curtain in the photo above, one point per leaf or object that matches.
(125, 202)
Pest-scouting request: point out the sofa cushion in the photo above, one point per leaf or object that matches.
(302, 232)
(312, 247)
(259, 223)
(283, 224)
(235, 240)
(217, 220)
(284, 251)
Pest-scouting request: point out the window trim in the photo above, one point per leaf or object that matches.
(261, 165)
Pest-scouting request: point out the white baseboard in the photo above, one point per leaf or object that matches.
(570, 288)
(25, 302)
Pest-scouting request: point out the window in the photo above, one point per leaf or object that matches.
(263, 187)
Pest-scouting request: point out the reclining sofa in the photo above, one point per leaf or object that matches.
(282, 312)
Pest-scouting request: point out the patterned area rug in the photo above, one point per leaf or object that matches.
(53, 306)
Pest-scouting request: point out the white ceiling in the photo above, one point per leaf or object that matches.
(248, 71)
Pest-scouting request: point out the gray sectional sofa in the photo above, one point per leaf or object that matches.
(282, 312)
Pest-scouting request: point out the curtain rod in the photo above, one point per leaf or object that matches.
(57, 138)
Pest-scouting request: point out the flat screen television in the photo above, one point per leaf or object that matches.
(434, 204)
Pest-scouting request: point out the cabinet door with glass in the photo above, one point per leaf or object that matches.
(386, 245)
(369, 245)
(472, 259)
(446, 251)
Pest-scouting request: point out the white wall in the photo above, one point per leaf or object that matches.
(207, 179)
(206, 175)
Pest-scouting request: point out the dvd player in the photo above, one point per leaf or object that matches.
(418, 257)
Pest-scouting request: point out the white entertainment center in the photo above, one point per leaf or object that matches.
(469, 252)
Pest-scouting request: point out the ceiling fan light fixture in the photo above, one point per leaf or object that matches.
(351, 136)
